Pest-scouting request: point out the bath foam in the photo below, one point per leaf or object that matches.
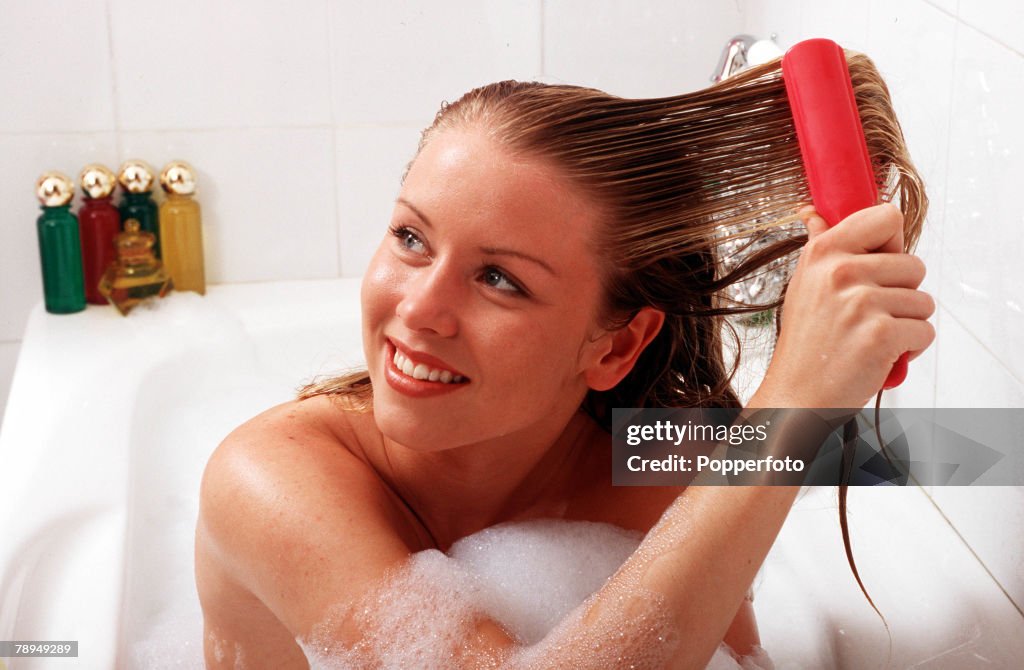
(535, 578)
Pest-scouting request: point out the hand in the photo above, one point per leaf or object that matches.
(851, 310)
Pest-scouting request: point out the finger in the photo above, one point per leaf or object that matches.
(904, 303)
(878, 228)
(884, 269)
(814, 223)
(916, 335)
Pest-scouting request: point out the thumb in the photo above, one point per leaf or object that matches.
(815, 224)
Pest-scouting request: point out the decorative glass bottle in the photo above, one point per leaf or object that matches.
(136, 274)
(136, 179)
(60, 251)
(99, 223)
(181, 229)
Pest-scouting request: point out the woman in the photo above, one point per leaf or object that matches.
(533, 278)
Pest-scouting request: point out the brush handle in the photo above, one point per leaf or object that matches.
(831, 139)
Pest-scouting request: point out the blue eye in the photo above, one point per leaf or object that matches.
(492, 276)
(406, 237)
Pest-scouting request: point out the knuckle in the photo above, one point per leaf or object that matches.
(816, 248)
(893, 213)
(880, 332)
(844, 272)
(860, 298)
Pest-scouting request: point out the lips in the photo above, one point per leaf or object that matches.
(420, 358)
(417, 388)
(422, 371)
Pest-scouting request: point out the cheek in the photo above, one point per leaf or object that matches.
(547, 355)
(379, 290)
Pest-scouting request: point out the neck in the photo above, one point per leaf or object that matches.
(460, 491)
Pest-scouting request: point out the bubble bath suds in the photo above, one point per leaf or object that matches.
(531, 578)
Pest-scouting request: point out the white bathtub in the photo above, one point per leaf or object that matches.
(111, 420)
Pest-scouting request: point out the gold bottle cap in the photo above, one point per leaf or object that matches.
(97, 180)
(134, 245)
(54, 189)
(178, 177)
(135, 176)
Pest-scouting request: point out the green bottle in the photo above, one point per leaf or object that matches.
(60, 250)
(136, 179)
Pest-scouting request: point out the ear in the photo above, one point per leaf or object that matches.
(615, 352)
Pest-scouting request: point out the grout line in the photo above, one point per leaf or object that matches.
(984, 567)
(953, 15)
(332, 82)
(217, 129)
(209, 129)
(991, 353)
(113, 83)
(945, 203)
(991, 37)
(543, 38)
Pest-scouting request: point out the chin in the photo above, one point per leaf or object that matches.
(399, 425)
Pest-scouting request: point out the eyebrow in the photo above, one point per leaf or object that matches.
(493, 251)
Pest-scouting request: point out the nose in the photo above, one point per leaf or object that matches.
(428, 301)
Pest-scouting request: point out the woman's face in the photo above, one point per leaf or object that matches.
(486, 279)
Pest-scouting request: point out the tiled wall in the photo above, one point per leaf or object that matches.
(299, 119)
(956, 72)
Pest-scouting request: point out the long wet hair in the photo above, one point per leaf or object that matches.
(675, 177)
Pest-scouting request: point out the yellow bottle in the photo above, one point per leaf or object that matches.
(181, 229)
(137, 274)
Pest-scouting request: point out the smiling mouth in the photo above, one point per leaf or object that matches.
(422, 372)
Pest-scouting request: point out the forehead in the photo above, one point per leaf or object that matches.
(464, 177)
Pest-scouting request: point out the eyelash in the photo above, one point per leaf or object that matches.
(401, 233)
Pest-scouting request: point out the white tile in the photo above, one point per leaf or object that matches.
(221, 64)
(396, 62)
(943, 610)
(983, 281)
(841, 21)
(637, 49)
(22, 159)
(968, 375)
(783, 18)
(991, 521)
(1001, 19)
(948, 6)
(903, 41)
(55, 67)
(8, 359)
(267, 198)
(371, 163)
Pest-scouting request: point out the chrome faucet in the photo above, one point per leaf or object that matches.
(734, 58)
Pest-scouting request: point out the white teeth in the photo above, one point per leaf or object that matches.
(423, 372)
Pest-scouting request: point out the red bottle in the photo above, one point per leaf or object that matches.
(99, 223)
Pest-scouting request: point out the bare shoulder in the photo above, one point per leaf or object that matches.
(292, 522)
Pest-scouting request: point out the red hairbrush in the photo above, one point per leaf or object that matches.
(831, 139)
